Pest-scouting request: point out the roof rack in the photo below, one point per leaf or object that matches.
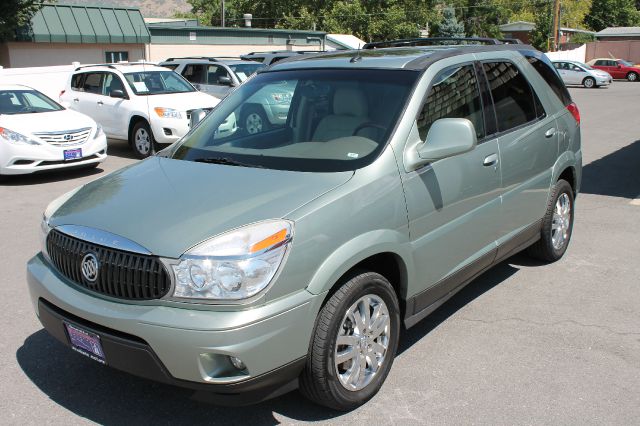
(511, 41)
(96, 65)
(206, 58)
(112, 65)
(431, 41)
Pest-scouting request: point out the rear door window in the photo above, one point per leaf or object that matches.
(214, 73)
(93, 83)
(514, 100)
(195, 73)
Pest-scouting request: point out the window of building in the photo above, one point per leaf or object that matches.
(514, 100)
(112, 57)
(454, 94)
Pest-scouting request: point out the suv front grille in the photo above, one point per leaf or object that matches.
(65, 138)
(120, 274)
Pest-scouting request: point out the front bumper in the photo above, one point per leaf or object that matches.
(186, 346)
(25, 159)
(169, 130)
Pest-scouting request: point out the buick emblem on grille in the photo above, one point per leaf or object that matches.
(67, 137)
(90, 267)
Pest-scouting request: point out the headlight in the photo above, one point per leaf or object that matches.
(167, 113)
(15, 137)
(235, 265)
(99, 132)
(48, 212)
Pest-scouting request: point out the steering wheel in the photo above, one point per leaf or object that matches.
(368, 124)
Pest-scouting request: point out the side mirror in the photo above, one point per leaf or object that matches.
(448, 137)
(197, 115)
(117, 94)
(619, 66)
(225, 80)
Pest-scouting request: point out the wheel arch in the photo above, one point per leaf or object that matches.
(383, 258)
(135, 119)
(566, 168)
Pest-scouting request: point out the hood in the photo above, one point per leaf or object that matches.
(168, 206)
(183, 101)
(600, 73)
(54, 121)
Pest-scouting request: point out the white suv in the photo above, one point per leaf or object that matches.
(144, 104)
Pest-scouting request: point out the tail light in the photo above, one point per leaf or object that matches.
(573, 109)
(61, 93)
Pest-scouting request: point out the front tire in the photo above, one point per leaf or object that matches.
(354, 343)
(254, 120)
(557, 224)
(142, 140)
(589, 83)
(632, 76)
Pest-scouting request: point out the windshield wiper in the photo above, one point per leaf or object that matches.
(226, 161)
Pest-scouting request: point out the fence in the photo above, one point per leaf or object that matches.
(627, 49)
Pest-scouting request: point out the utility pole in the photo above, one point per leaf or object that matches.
(222, 13)
(556, 26)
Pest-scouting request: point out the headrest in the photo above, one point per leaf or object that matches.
(350, 101)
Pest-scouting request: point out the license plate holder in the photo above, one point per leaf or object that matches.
(85, 342)
(72, 154)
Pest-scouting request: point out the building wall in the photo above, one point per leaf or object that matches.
(29, 54)
(160, 52)
(629, 50)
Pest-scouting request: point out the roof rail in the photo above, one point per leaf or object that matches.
(96, 65)
(207, 58)
(430, 41)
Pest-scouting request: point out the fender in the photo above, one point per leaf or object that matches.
(358, 249)
(568, 159)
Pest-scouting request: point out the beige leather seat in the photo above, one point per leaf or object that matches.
(350, 110)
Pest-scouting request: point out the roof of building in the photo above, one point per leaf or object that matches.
(529, 26)
(57, 23)
(619, 32)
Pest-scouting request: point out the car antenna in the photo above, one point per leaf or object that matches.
(357, 57)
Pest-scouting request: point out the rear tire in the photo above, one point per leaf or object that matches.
(632, 76)
(589, 83)
(557, 224)
(141, 140)
(353, 344)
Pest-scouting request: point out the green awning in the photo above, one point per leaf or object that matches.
(56, 23)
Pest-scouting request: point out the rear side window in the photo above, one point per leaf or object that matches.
(453, 94)
(172, 67)
(600, 63)
(513, 98)
(552, 78)
(76, 81)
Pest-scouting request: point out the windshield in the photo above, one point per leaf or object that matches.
(26, 102)
(157, 83)
(585, 66)
(625, 63)
(304, 120)
(244, 71)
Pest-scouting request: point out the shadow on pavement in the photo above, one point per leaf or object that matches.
(615, 175)
(108, 396)
(118, 148)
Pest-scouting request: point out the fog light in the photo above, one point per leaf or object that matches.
(237, 363)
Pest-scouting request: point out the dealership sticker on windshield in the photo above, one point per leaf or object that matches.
(140, 86)
(72, 154)
(352, 155)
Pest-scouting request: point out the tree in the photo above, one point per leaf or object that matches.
(482, 18)
(449, 26)
(612, 13)
(15, 14)
(544, 22)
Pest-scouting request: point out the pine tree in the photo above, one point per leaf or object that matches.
(449, 26)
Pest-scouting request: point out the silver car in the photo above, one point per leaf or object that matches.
(580, 74)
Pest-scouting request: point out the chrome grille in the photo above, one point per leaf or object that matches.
(66, 137)
(120, 274)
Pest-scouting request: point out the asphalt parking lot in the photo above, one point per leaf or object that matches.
(525, 343)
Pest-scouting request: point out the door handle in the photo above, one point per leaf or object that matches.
(549, 133)
(100, 103)
(490, 160)
(76, 100)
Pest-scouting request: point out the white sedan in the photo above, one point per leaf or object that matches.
(37, 134)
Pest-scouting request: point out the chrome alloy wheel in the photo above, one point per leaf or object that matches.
(362, 342)
(253, 123)
(561, 222)
(142, 141)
